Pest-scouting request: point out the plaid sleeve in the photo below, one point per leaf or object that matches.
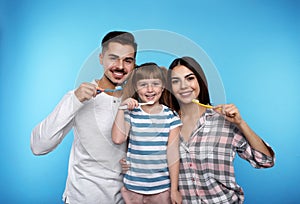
(255, 158)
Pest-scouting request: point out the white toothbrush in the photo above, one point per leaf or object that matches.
(141, 104)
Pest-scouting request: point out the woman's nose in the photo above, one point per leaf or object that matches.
(184, 84)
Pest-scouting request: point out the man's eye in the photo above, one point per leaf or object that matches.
(129, 61)
(113, 58)
(175, 81)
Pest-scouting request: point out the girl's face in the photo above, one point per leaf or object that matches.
(185, 85)
(149, 89)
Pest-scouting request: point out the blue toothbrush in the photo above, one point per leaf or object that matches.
(117, 88)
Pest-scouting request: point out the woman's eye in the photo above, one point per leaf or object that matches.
(190, 78)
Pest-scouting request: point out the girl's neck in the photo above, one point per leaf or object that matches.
(152, 109)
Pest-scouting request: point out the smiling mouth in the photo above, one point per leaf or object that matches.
(150, 97)
(184, 94)
(118, 74)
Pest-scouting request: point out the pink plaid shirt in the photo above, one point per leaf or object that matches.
(206, 167)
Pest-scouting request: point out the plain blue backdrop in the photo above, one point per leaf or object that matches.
(253, 44)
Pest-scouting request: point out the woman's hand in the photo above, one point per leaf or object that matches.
(230, 111)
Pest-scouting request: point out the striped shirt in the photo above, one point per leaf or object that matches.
(206, 167)
(147, 150)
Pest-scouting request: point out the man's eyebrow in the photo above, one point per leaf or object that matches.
(113, 55)
(117, 56)
(129, 58)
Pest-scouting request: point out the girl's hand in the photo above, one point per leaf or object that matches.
(176, 197)
(124, 165)
(131, 103)
(230, 111)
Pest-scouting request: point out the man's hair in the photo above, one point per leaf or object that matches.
(122, 37)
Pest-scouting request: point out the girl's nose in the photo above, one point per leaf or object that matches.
(150, 87)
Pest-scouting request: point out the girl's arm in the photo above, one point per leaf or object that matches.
(173, 163)
(120, 127)
(232, 114)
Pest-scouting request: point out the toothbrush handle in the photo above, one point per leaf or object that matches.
(124, 107)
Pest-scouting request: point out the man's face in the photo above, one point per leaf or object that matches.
(118, 61)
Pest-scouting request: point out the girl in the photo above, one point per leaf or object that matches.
(210, 139)
(153, 131)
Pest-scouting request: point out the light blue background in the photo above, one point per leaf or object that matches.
(254, 45)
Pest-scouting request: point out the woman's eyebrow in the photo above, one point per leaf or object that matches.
(188, 75)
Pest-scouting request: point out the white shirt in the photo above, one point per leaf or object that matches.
(94, 173)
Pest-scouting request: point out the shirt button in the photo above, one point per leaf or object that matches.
(191, 164)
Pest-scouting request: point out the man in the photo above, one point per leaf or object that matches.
(94, 174)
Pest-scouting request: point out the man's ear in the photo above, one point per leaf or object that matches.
(101, 58)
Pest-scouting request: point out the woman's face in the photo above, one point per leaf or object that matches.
(185, 85)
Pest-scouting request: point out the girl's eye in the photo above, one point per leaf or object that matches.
(156, 84)
(143, 85)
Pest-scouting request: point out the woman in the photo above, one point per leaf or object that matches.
(210, 139)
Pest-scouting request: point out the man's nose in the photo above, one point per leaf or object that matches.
(120, 63)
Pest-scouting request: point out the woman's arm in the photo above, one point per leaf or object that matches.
(232, 114)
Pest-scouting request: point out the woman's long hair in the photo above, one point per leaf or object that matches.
(195, 67)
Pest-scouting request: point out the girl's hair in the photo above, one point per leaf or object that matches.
(195, 67)
(149, 70)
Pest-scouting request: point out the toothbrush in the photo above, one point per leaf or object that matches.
(203, 105)
(141, 104)
(117, 88)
